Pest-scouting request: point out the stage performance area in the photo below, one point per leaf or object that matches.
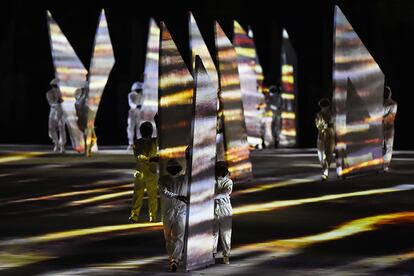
(63, 214)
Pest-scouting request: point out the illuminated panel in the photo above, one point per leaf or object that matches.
(200, 213)
(71, 74)
(237, 148)
(287, 136)
(175, 106)
(101, 65)
(252, 98)
(258, 68)
(199, 47)
(358, 102)
(150, 90)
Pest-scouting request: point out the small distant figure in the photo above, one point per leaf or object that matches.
(82, 112)
(145, 177)
(326, 138)
(57, 123)
(173, 192)
(275, 104)
(390, 111)
(223, 210)
(134, 114)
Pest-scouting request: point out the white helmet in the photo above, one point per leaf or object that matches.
(55, 81)
(136, 86)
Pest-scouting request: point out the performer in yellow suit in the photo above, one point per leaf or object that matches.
(145, 151)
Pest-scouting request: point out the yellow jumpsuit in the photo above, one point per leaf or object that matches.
(145, 177)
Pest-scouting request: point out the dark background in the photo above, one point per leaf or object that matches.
(385, 26)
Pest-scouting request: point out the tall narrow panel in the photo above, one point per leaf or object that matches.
(258, 68)
(101, 65)
(199, 47)
(246, 60)
(150, 90)
(202, 181)
(235, 135)
(71, 74)
(358, 102)
(175, 106)
(287, 136)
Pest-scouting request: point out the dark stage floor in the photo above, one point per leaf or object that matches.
(68, 215)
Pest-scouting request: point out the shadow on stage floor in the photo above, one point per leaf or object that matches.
(63, 214)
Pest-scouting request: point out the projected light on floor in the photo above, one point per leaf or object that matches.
(71, 74)
(235, 135)
(251, 97)
(358, 102)
(269, 206)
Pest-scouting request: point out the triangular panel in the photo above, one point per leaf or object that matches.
(358, 91)
(71, 74)
(252, 98)
(150, 90)
(235, 135)
(287, 135)
(101, 65)
(202, 174)
(175, 105)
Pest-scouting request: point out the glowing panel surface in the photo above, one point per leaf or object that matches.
(252, 98)
(235, 135)
(71, 74)
(175, 105)
(199, 47)
(101, 65)
(202, 181)
(287, 136)
(358, 102)
(150, 90)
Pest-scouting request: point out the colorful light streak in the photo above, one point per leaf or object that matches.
(235, 135)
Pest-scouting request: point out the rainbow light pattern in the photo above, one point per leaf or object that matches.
(175, 105)
(200, 215)
(235, 135)
(358, 102)
(249, 83)
(287, 136)
(71, 74)
(101, 65)
(150, 90)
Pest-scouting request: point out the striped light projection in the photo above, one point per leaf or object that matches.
(252, 98)
(175, 106)
(200, 215)
(287, 136)
(199, 47)
(235, 134)
(101, 65)
(71, 74)
(358, 102)
(150, 89)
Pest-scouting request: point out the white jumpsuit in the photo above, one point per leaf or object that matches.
(390, 111)
(134, 116)
(223, 214)
(173, 213)
(57, 130)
